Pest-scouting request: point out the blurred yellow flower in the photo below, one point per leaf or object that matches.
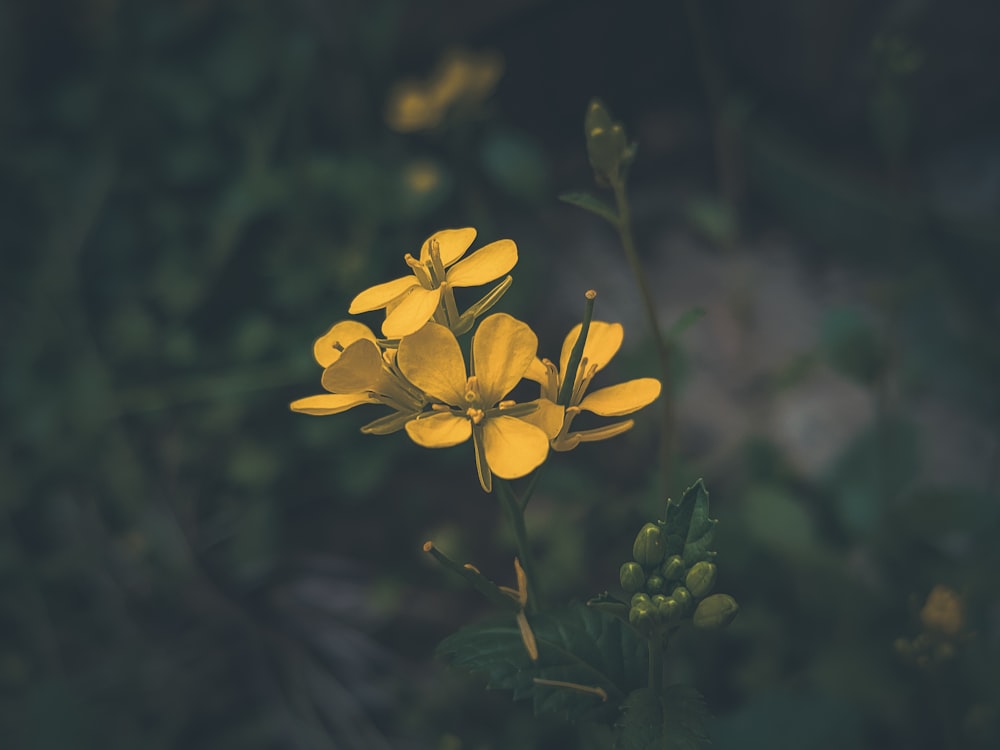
(473, 405)
(357, 371)
(411, 301)
(461, 80)
(942, 612)
(603, 342)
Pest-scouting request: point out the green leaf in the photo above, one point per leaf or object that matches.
(576, 645)
(688, 526)
(675, 720)
(595, 205)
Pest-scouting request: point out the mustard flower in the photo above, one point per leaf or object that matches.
(603, 342)
(462, 80)
(411, 301)
(357, 371)
(473, 405)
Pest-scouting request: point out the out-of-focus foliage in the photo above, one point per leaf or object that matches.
(191, 192)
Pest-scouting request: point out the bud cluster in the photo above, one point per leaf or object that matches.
(666, 588)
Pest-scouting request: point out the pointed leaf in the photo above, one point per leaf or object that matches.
(595, 205)
(578, 645)
(688, 526)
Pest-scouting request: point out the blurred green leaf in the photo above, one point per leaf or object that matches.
(516, 164)
(852, 345)
(873, 471)
(591, 203)
(774, 519)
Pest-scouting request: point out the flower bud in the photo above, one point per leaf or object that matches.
(632, 577)
(643, 617)
(700, 579)
(668, 610)
(683, 598)
(655, 584)
(648, 549)
(716, 611)
(673, 568)
(639, 600)
(606, 142)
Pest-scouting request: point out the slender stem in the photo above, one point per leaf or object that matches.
(655, 664)
(515, 512)
(624, 226)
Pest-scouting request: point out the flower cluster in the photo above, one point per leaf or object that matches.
(419, 370)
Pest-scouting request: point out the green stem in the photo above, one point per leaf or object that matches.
(655, 664)
(515, 512)
(624, 226)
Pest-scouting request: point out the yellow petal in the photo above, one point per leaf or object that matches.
(513, 447)
(380, 295)
(357, 369)
(623, 398)
(452, 244)
(537, 371)
(415, 309)
(331, 403)
(603, 342)
(548, 417)
(484, 265)
(328, 347)
(441, 430)
(432, 360)
(502, 349)
(588, 436)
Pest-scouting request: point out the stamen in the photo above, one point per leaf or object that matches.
(506, 404)
(476, 415)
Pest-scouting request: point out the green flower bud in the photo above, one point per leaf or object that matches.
(639, 600)
(643, 617)
(683, 598)
(716, 611)
(606, 142)
(658, 600)
(655, 584)
(648, 549)
(597, 116)
(673, 568)
(632, 577)
(668, 610)
(700, 579)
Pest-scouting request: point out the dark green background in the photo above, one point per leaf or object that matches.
(191, 192)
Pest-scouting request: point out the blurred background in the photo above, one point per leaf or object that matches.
(192, 191)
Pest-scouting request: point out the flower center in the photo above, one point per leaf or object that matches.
(476, 415)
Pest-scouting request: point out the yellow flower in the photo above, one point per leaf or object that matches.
(603, 342)
(357, 371)
(411, 301)
(473, 405)
(461, 79)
